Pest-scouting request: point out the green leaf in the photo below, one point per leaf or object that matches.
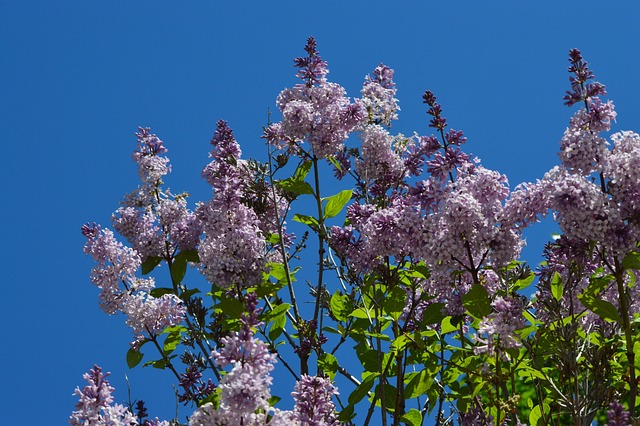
(178, 268)
(412, 417)
(524, 282)
(335, 203)
(329, 364)
(277, 327)
(335, 162)
(160, 364)
(231, 307)
(362, 313)
(419, 384)
(605, 310)
(160, 291)
(307, 220)
(362, 390)
(536, 414)
(449, 325)
(173, 340)
(303, 170)
(400, 343)
(346, 414)
(279, 310)
(134, 357)
(477, 302)
(557, 289)
(149, 264)
(185, 295)
(341, 306)
(295, 186)
(433, 313)
(631, 261)
(395, 302)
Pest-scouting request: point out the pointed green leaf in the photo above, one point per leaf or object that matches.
(295, 186)
(335, 203)
(362, 390)
(277, 311)
(134, 357)
(328, 364)
(277, 327)
(604, 309)
(477, 302)
(524, 282)
(536, 414)
(433, 313)
(307, 220)
(419, 384)
(303, 170)
(395, 302)
(557, 289)
(341, 306)
(160, 291)
(412, 417)
(149, 264)
(631, 261)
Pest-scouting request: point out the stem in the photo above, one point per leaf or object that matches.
(321, 237)
(283, 252)
(192, 328)
(626, 325)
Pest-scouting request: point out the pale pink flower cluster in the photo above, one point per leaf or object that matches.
(95, 406)
(378, 96)
(233, 251)
(317, 111)
(379, 154)
(497, 330)
(244, 391)
(314, 404)
(116, 266)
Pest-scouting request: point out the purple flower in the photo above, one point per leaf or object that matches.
(317, 111)
(94, 406)
(151, 166)
(313, 69)
(617, 415)
(314, 405)
(378, 96)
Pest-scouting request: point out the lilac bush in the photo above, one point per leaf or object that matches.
(417, 304)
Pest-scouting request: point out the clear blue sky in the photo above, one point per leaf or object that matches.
(78, 77)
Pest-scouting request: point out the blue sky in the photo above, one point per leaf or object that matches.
(77, 78)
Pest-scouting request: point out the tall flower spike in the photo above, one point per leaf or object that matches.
(312, 68)
(580, 90)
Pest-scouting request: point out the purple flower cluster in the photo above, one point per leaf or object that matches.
(317, 111)
(496, 331)
(156, 222)
(378, 96)
(95, 405)
(116, 265)
(617, 415)
(244, 391)
(314, 405)
(232, 254)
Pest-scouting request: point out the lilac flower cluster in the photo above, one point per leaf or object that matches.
(156, 222)
(317, 111)
(244, 391)
(116, 264)
(232, 254)
(95, 405)
(378, 96)
(499, 327)
(617, 415)
(314, 405)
